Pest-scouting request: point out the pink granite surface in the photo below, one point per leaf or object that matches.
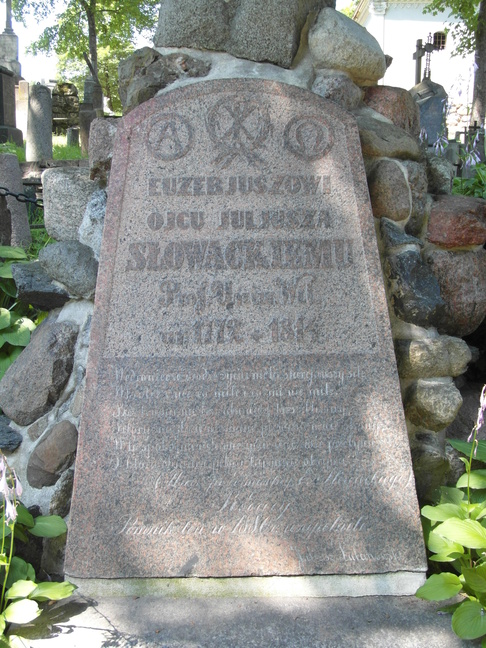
(242, 415)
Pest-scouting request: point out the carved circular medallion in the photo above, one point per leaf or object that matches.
(308, 137)
(170, 137)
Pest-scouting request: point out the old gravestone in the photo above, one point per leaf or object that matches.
(242, 415)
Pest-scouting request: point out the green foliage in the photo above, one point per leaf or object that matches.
(475, 186)
(455, 533)
(463, 32)
(10, 147)
(106, 29)
(21, 595)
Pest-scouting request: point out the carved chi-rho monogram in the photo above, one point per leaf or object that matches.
(238, 128)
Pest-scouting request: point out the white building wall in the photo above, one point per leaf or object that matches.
(397, 25)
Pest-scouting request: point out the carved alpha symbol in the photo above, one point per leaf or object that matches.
(170, 137)
(238, 127)
(308, 137)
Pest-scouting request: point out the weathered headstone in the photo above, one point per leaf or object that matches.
(242, 415)
(8, 130)
(39, 124)
(14, 218)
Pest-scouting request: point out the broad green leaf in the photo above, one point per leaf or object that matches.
(3, 559)
(52, 591)
(469, 620)
(21, 611)
(20, 589)
(6, 270)
(475, 577)
(443, 512)
(51, 526)
(8, 252)
(4, 318)
(19, 333)
(437, 544)
(465, 448)
(19, 570)
(8, 357)
(445, 557)
(23, 516)
(449, 495)
(468, 533)
(477, 478)
(439, 587)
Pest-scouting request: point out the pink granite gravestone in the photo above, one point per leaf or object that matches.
(242, 414)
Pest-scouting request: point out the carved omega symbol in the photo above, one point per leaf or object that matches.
(170, 137)
(308, 137)
(238, 127)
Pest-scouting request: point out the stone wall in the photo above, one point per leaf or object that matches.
(431, 245)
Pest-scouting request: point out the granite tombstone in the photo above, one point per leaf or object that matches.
(242, 416)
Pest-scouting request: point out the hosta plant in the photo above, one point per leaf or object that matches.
(21, 595)
(455, 535)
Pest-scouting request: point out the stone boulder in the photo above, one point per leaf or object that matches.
(34, 382)
(397, 105)
(146, 72)
(72, 264)
(35, 287)
(440, 174)
(432, 403)
(252, 29)
(53, 454)
(413, 289)
(389, 190)
(66, 194)
(457, 221)
(462, 281)
(338, 87)
(380, 138)
(432, 357)
(421, 200)
(339, 43)
(100, 147)
(91, 229)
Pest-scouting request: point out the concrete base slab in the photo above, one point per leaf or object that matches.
(150, 622)
(392, 584)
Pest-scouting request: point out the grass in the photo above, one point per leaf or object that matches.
(60, 150)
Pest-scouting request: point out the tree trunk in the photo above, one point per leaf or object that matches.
(92, 38)
(479, 92)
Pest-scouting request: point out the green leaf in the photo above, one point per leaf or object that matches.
(446, 557)
(8, 252)
(4, 641)
(439, 587)
(475, 577)
(51, 526)
(449, 495)
(469, 620)
(21, 611)
(19, 570)
(18, 334)
(465, 448)
(437, 544)
(8, 357)
(443, 512)
(20, 589)
(6, 270)
(52, 591)
(468, 533)
(4, 318)
(477, 478)
(23, 516)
